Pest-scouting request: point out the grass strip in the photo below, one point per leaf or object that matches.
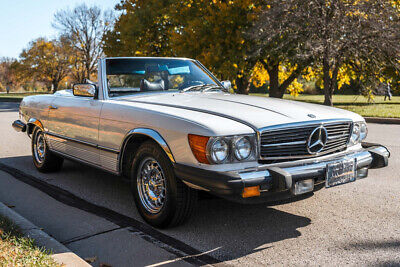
(17, 250)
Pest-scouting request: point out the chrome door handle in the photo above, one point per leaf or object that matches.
(53, 107)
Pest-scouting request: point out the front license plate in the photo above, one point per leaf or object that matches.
(340, 172)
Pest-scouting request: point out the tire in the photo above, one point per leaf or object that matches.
(43, 159)
(175, 201)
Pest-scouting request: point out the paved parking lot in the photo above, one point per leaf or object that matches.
(355, 224)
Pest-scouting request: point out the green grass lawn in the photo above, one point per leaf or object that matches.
(358, 104)
(17, 250)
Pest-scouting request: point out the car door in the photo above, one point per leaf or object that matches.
(73, 124)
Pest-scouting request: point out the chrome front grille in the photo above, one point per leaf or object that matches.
(290, 141)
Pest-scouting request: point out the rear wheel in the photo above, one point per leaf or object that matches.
(43, 158)
(162, 199)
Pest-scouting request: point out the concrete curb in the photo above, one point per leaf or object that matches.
(382, 120)
(61, 254)
(10, 99)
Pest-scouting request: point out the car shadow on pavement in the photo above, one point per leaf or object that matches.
(239, 229)
(226, 229)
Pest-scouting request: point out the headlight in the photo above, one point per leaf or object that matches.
(219, 150)
(242, 148)
(363, 131)
(355, 135)
(226, 149)
(359, 133)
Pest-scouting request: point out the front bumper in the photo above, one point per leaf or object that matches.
(19, 126)
(276, 182)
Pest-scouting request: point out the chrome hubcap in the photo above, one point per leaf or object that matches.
(39, 148)
(151, 185)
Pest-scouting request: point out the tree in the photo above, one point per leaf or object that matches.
(7, 73)
(143, 28)
(85, 27)
(210, 31)
(279, 44)
(355, 35)
(46, 61)
(213, 32)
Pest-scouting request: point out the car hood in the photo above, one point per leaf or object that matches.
(256, 111)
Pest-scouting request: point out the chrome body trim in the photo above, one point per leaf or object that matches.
(302, 124)
(305, 156)
(335, 137)
(285, 144)
(208, 72)
(253, 174)
(83, 142)
(85, 162)
(322, 138)
(19, 126)
(35, 122)
(299, 125)
(149, 133)
(182, 58)
(382, 150)
(103, 95)
(311, 169)
(195, 186)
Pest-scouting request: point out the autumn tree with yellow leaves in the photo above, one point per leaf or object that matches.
(8, 73)
(344, 38)
(142, 29)
(46, 61)
(210, 31)
(354, 35)
(259, 42)
(213, 32)
(280, 47)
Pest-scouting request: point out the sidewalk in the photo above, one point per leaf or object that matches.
(87, 235)
(59, 252)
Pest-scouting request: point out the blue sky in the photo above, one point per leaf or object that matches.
(24, 20)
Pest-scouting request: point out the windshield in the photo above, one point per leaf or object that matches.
(128, 76)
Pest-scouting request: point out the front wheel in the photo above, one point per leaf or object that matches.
(43, 158)
(162, 199)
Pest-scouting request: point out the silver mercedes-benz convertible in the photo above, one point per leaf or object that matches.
(172, 129)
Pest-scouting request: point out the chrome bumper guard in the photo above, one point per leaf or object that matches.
(283, 178)
(19, 126)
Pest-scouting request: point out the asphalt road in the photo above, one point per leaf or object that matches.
(352, 224)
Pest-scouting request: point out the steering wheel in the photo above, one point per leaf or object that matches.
(189, 83)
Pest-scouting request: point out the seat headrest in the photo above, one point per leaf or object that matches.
(145, 85)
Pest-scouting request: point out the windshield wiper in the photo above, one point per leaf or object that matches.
(203, 88)
(197, 87)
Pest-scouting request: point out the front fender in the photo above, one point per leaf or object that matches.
(152, 134)
(33, 122)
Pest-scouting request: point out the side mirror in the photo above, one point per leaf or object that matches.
(84, 89)
(227, 84)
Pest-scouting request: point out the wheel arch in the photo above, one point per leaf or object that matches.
(32, 122)
(134, 139)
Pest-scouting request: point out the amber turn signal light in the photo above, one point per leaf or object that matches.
(252, 191)
(198, 144)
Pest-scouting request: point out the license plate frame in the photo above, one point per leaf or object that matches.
(340, 172)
